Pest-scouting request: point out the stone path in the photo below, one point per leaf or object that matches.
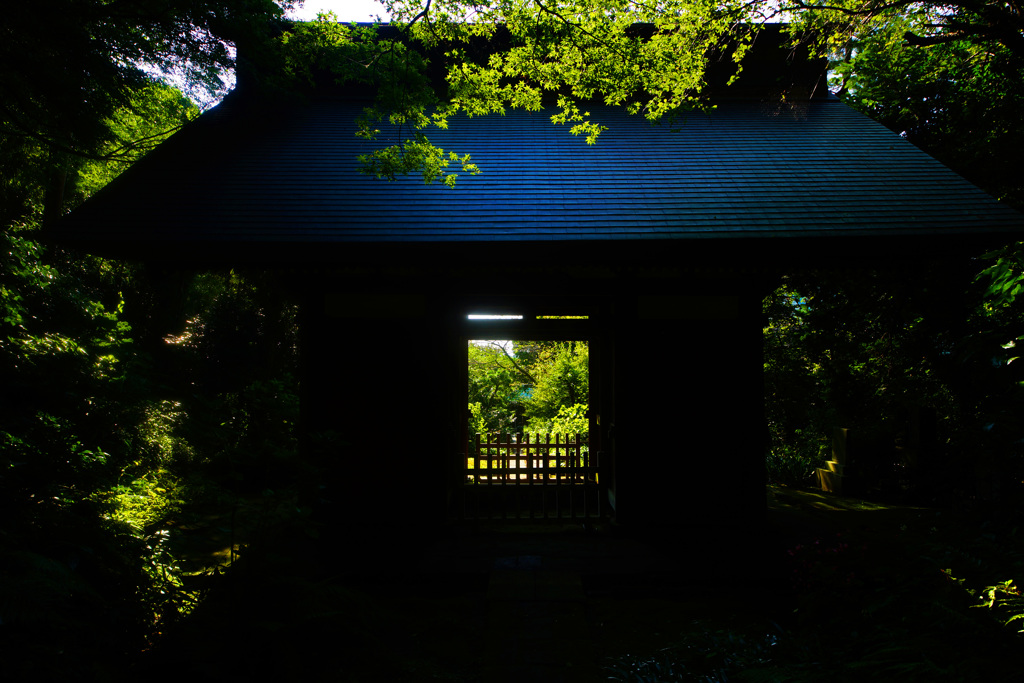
(537, 626)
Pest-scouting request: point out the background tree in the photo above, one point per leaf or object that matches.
(499, 383)
(70, 65)
(953, 95)
(916, 363)
(561, 393)
(919, 24)
(529, 386)
(98, 446)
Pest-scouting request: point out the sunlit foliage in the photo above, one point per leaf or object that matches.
(569, 54)
(529, 386)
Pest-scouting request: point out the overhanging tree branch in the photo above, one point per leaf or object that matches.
(1000, 22)
(122, 153)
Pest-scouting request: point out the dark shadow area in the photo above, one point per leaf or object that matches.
(829, 588)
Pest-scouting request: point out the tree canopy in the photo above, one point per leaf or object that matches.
(920, 68)
(70, 65)
(650, 59)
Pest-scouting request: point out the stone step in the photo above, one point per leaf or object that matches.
(830, 481)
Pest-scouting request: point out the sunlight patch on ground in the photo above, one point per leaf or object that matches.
(781, 498)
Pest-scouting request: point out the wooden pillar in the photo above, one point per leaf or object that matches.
(373, 411)
(689, 411)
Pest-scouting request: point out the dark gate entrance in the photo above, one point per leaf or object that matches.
(522, 476)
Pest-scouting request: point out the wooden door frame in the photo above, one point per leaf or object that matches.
(532, 328)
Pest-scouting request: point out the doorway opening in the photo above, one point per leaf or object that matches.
(531, 450)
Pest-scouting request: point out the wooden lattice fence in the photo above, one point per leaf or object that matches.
(532, 476)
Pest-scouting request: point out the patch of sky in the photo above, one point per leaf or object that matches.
(345, 10)
(504, 344)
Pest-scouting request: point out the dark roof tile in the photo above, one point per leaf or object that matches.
(242, 176)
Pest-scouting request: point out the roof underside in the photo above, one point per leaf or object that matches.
(260, 180)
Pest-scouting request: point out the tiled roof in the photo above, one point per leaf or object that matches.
(242, 175)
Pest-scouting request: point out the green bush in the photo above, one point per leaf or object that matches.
(794, 465)
(570, 419)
